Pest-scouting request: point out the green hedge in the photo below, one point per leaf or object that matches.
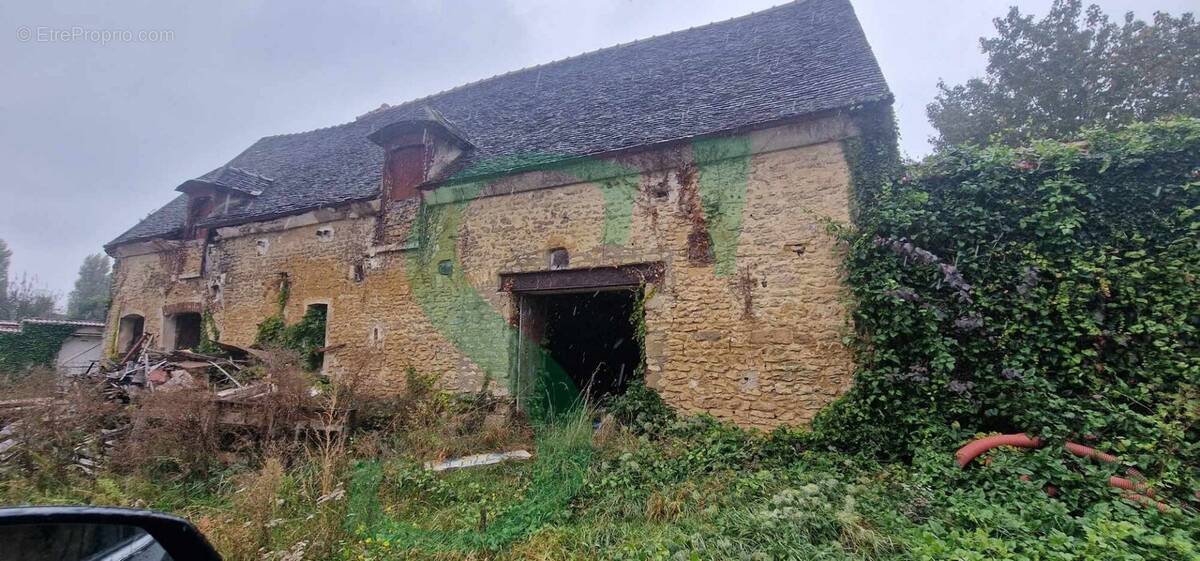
(1050, 289)
(36, 345)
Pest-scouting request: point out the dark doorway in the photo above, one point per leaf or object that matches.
(129, 331)
(586, 341)
(186, 330)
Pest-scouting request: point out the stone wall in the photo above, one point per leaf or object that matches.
(746, 322)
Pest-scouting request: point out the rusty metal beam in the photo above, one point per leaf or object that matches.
(582, 279)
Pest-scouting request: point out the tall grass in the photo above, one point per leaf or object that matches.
(564, 452)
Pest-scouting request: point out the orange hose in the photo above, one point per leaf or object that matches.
(1133, 486)
(1089, 452)
(1135, 491)
(973, 449)
(1143, 500)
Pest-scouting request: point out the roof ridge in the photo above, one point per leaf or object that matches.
(586, 53)
(281, 135)
(52, 321)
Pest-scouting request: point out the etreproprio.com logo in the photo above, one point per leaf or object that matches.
(81, 34)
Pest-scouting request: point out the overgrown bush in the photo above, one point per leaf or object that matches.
(427, 423)
(1049, 289)
(34, 382)
(172, 434)
(641, 408)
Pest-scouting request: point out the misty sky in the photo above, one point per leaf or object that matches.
(94, 135)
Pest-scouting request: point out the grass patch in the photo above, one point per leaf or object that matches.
(658, 487)
(557, 474)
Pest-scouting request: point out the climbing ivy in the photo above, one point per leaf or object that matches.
(873, 157)
(637, 317)
(1049, 289)
(37, 344)
(305, 336)
(285, 293)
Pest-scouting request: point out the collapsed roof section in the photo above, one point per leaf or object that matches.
(229, 178)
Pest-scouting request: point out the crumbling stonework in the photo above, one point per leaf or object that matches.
(745, 323)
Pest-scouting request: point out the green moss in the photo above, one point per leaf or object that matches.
(724, 165)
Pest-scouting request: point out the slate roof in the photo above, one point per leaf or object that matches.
(788, 61)
(235, 179)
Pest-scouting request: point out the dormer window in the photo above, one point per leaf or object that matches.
(199, 208)
(419, 149)
(405, 171)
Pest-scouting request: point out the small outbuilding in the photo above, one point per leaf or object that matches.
(71, 347)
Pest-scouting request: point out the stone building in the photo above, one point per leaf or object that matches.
(659, 208)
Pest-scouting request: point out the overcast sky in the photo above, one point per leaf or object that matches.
(94, 135)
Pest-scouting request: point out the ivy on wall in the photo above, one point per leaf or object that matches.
(305, 337)
(873, 157)
(1049, 289)
(37, 344)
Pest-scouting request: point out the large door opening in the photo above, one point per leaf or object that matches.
(577, 346)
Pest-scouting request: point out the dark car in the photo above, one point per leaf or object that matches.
(77, 533)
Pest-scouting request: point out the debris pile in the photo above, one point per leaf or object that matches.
(241, 387)
(236, 377)
(143, 368)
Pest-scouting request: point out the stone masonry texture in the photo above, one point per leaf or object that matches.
(747, 327)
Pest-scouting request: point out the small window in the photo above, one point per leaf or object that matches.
(661, 189)
(559, 258)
